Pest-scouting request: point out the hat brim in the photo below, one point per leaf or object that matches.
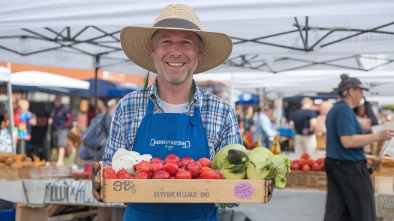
(135, 43)
(339, 90)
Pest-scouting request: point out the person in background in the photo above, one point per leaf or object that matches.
(61, 122)
(363, 118)
(92, 110)
(303, 122)
(175, 48)
(248, 119)
(350, 194)
(86, 154)
(25, 119)
(268, 112)
(263, 128)
(321, 129)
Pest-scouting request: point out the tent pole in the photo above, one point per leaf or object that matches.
(11, 115)
(279, 107)
(232, 102)
(96, 69)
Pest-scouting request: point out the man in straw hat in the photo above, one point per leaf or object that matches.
(173, 108)
(350, 195)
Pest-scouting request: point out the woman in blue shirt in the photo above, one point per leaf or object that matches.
(350, 195)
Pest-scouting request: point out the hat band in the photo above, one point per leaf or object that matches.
(176, 23)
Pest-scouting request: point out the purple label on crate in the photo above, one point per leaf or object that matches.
(243, 190)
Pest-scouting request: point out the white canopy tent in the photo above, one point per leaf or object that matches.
(269, 36)
(53, 83)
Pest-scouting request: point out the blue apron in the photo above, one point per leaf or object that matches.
(179, 134)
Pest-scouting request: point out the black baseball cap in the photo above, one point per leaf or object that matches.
(347, 83)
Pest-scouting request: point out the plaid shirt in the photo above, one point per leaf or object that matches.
(218, 118)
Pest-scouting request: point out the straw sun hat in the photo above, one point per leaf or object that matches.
(135, 41)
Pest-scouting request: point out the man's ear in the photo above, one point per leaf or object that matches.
(200, 52)
(152, 50)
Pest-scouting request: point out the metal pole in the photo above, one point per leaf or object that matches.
(96, 69)
(232, 91)
(279, 110)
(11, 115)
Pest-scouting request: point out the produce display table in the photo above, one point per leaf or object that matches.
(50, 191)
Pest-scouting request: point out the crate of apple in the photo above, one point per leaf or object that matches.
(171, 167)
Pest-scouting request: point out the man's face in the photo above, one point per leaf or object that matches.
(176, 54)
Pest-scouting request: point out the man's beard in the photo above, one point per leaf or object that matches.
(174, 80)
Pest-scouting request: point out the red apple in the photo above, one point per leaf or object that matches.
(141, 175)
(294, 166)
(301, 163)
(316, 167)
(310, 162)
(211, 174)
(173, 158)
(183, 174)
(205, 169)
(205, 162)
(146, 167)
(194, 168)
(171, 167)
(156, 166)
(156, 159)
(305, 156)
(161, 174)
(306, 167)
(184, 161)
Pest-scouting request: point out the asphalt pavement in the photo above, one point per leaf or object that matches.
(285, 205)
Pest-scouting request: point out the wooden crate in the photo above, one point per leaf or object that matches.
(186, 191)
(306, 180)
(12, 173)
(384, 205)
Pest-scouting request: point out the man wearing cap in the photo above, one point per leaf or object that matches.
(350, 195)
(173, 107)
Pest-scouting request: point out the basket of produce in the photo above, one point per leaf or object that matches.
(235, 175)
(18, 166)
(307, 173)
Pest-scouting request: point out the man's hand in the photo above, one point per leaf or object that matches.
(96, 181)
(372, 165)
